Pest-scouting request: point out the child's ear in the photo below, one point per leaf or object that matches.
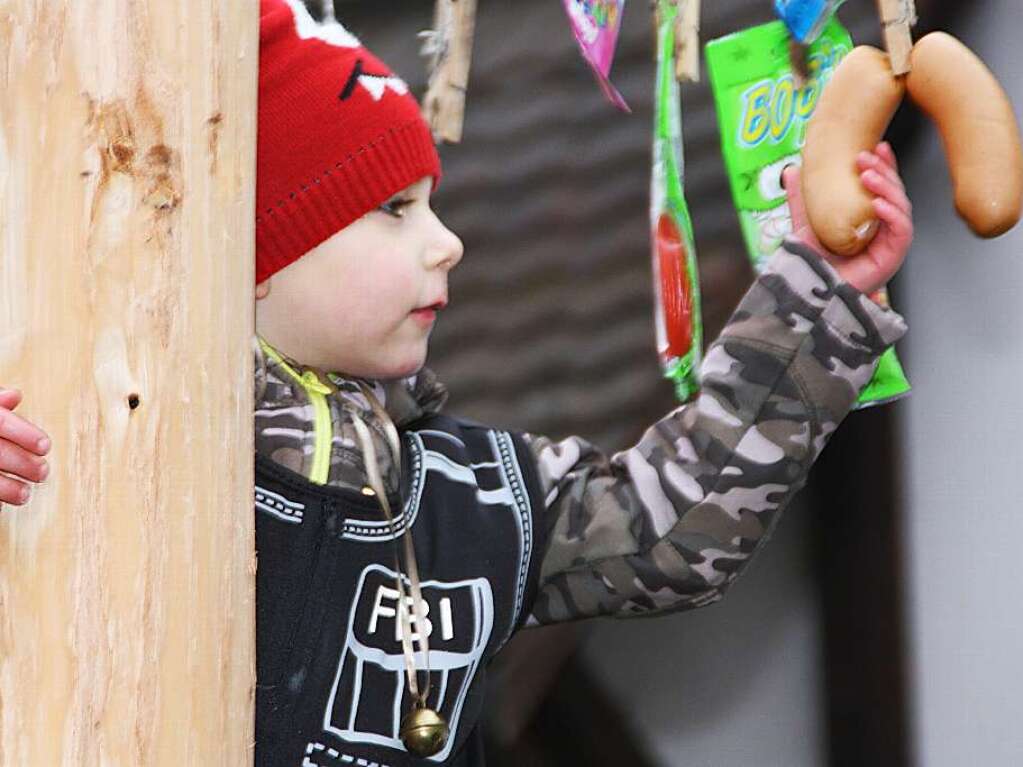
(263, 289)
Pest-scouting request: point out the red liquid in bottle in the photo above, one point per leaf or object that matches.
(676, 299)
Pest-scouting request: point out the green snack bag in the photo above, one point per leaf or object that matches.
(762, 115)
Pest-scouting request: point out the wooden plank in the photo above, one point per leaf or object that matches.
(127, 165)
(897, 19)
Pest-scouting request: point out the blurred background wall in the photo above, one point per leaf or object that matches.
(807, 660)
(962, 431)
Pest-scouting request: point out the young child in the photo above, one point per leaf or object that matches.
(400, 548)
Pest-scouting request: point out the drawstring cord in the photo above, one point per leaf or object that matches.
(376, 483)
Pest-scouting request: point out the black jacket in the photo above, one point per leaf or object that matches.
(331, 675)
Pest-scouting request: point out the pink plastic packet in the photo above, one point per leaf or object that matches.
(595, 24)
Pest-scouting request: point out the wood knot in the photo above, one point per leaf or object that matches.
(133, 401)
(122, 152)
(163, 197)
(162, 193)
(159, 156)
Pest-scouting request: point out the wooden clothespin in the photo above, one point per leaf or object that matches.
(449, 44)
(687, 41)
(897, 19)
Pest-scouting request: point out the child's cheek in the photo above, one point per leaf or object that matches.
(394, 285)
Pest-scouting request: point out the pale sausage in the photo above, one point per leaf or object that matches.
(852, 115)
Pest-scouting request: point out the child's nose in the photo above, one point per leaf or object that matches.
(447, 251)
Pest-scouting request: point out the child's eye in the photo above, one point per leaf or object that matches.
(395, 208)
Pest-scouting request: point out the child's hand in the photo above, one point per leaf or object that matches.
(21, 451)
(870, 270)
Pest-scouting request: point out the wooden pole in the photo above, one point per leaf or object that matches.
(897, 19)
(127, 167)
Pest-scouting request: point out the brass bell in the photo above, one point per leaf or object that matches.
(423, 731)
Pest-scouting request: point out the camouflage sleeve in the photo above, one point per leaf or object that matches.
(669, 523)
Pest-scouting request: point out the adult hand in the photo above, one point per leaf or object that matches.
(22, 445)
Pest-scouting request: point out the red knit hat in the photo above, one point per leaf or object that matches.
(338, 134)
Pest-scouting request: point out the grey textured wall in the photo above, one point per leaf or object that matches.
(964, 436)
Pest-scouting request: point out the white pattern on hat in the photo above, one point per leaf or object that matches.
(376, 84)
(330, 31)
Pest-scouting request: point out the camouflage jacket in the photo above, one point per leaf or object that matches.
(669, 523)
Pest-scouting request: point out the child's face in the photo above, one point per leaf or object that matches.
(349, 304)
